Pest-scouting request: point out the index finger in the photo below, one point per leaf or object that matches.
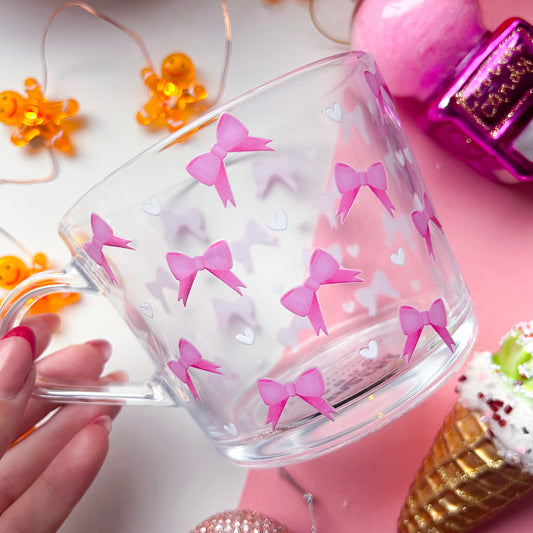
(43, 325)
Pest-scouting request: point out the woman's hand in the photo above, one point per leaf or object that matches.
(44, 475)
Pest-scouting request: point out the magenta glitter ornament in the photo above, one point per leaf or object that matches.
(485, 112)
(239, 521)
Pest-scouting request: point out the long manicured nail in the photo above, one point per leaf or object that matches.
(26, 333)
(104, 421)
(17, 352)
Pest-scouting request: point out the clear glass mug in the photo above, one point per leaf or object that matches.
(283, 267)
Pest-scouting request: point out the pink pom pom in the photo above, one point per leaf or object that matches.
(417, 43)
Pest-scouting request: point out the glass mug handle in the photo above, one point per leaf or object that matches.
(17, 303)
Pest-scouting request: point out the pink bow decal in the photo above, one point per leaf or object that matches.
(413, 321)
(309, 387)
(190, 357)
(421, 221)
(349, 181)
(103, 236)
(216, 259)
(209, 168)
(323, 270)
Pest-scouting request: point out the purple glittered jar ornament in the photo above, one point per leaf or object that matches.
(476, 86)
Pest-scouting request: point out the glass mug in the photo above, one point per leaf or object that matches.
(282, 266)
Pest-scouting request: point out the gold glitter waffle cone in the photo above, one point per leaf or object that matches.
(462, 481)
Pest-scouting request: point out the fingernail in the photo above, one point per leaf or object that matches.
(102, 346)
(104, 421)
(17, 352)
(52, 320)
(26, 333)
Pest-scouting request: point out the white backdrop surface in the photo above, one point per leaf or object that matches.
(161, 475)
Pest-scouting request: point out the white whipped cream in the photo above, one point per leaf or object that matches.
(505, 405)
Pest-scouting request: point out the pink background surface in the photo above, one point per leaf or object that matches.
(362, 487)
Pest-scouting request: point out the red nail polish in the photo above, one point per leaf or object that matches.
(26, 333)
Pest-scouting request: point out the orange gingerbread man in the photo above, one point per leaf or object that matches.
(13, 271)
(34, 116)
(171, 94)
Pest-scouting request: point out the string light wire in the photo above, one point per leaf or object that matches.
(307, 496)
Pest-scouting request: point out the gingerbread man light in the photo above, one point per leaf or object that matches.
(172, 94)
(34, 116)
(13, 270)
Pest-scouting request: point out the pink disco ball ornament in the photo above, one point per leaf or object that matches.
(239, 521)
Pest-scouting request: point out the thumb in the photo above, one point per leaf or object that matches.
(17, 378)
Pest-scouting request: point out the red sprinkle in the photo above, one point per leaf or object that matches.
(495, 404)
(502, 423)
(480, 395)
(508, 409)
(462, 378)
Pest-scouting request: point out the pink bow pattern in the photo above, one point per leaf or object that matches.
(412, 322)
(103, 236)
(216, 259)
(209, 168)
(421, 221)
(190, 357)
(323, 270)
(349, 181)
(309, 386)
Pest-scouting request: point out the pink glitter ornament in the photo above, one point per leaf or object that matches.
(417, 43)
(239, 521)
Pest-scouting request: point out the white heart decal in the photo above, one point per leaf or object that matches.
(147, 310)
(398, 258)
(247, 338)
(280, 223)
(153, 208)
(353, 250)
(335, 112)
(349, 306)
(371, 352)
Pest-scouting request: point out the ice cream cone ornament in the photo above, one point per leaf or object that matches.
(482, 458)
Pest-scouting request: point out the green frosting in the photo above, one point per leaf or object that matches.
(514, 356)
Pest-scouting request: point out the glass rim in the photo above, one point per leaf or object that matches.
(216, 111)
